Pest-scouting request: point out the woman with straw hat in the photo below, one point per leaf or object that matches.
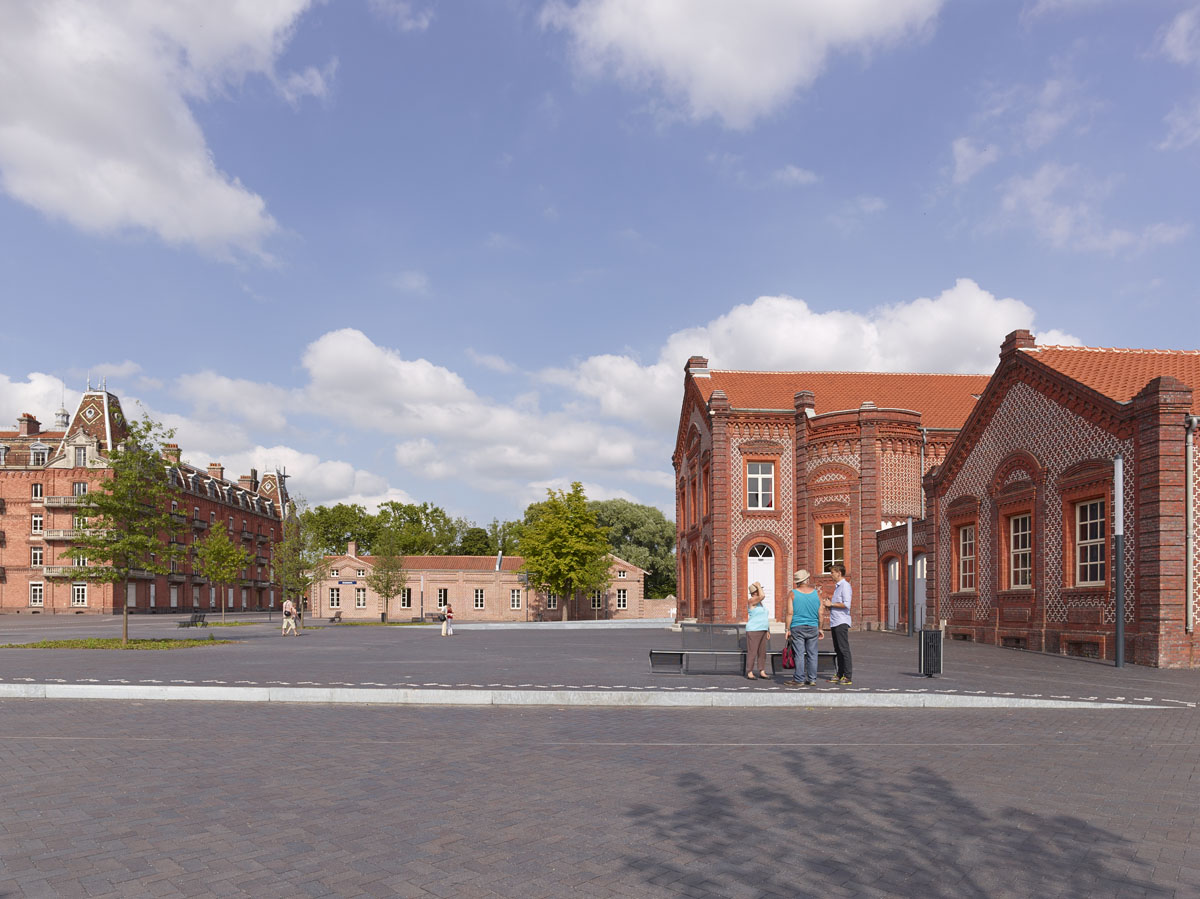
(758, 632)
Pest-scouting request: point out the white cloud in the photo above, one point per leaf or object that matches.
(1060, 7)
(970, 159)
(491, 361)
(1056, 104)
(960, 330)
(1180, 41)
(1183, 126)
(732, 61)
(854, 213)
(1062, 207)
(411, 281)
(219, 398)
(312, 82)
(794, 176)
(39, 394)
(402, 15)
(95, 126)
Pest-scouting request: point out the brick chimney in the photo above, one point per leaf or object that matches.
(27, 425)
(1017, 340)
(352, 548)
(171, 453)
(697, 367)
(216, 470)
(249, 481)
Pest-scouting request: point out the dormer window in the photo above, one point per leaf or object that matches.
(38, 453)
(3, 455)
(80, 456)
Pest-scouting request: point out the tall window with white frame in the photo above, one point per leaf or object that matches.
(36, 491)
(479, 597)
(1020, 552)
(37, 593)
(360, 597)
(1091, 539)
(966, 557)
(81, 457)
(833, 544)
(552, 601)
(597, 600)
(79, 595)
(760, 485)
(35, 523)
(443, 597)
(335, 597)
(406, 598)
(514, 599)
(36, 554)
(622, 598)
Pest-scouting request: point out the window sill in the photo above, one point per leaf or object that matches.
(761, 513)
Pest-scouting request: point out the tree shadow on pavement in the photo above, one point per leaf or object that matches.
(819, 825)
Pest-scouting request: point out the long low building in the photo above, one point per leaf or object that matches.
(479, 588)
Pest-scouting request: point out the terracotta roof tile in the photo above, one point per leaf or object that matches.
(1120, 374)
(944, 401)
(450, 563)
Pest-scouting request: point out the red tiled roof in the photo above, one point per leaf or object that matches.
(449, 563)
(40, 435)
(944, 401)
(1121, 374)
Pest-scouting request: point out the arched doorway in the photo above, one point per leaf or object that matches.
(893, 594)
(760, 566)
(920, 569)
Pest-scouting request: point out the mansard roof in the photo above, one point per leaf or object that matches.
(944, 401)
(1120, 374)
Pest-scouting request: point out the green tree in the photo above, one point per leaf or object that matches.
(130, 527)
(476, 542)
(332, 526)
(220, 560)
(387, 577)
(641, 535)
(423, 530)
(503, 536)
(564, 548)
(299, 556)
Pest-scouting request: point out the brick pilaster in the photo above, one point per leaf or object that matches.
(719, 605)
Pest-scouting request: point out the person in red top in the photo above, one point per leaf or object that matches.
(448, 622)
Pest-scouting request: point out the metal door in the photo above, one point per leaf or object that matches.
(893, 594)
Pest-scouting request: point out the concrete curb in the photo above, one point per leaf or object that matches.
(614, 698)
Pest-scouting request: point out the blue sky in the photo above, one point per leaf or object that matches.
(460, 251)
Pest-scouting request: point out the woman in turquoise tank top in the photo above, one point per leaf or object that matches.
(757, 633)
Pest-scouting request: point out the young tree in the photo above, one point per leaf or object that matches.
(565, 550)
(387, 577)
(475, 542)
(299, 557)
(221, 560)
(129, 523)
(503, 536)
(424, 530)
(641, 535)
(332, 526)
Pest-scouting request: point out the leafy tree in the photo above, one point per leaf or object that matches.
(299, 557)
(130, 527)
(564, 548)
(476, 542)
(641, 535)
(423, 530)
(220, 560)
(503, 536)
(332, 526)
(387, 577)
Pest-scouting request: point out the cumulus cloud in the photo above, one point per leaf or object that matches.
(403, 15)
(1063, 208)
(960, 331)
(794, 176)
(39, 395)
(732, 61)
(1180, 40)
(1183, 126)
(95, 124)
(970, 159)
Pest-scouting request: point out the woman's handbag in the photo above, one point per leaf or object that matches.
(788, 659)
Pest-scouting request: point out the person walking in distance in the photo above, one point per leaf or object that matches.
(758, 632)
(448, 621)
(839, 624)
(802, 611)
(289, 618)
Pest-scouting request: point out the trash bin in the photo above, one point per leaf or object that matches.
(929, 644)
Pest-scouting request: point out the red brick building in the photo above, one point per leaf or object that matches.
(783, 470)
(1019, 534)
(481, 588)
(45, 474)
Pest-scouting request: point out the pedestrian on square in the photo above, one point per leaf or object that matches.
(802, 611)
(289, 618)
(758, 632)
(448, 621)
(839, 624)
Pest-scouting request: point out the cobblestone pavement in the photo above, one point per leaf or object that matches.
(116, 799)
(539, 659)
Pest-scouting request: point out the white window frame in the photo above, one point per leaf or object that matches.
(966, 558)
(37, 595)
(514, 599)
(760, 486)
(81, 457)
(552, 601)
(37, 523)
(37, 491)
(335, 572)
(479, 601)
(37, 555)
(362, 572)
(335, 597)
(621, 572)
(1091, 546)
(597, 600)
(79, 595)
(1020, 551)
(622, 598)
(406, 598)
(360, 597)
(443, 597)
(833, 544)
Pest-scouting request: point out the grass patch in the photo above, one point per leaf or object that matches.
(230, 623)
(115, 643)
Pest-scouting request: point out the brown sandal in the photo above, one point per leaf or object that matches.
(750, 675)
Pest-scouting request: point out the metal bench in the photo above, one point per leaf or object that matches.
(336, 617)
(197, 620)
(724, 661)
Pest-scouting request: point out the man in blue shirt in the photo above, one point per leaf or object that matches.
(839, 624)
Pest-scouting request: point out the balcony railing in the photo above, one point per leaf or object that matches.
(61, 570)
(59, 502)
(75, 533)
(262, 538)
(199, 524)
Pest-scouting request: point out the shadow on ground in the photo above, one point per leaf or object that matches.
(820, 822)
